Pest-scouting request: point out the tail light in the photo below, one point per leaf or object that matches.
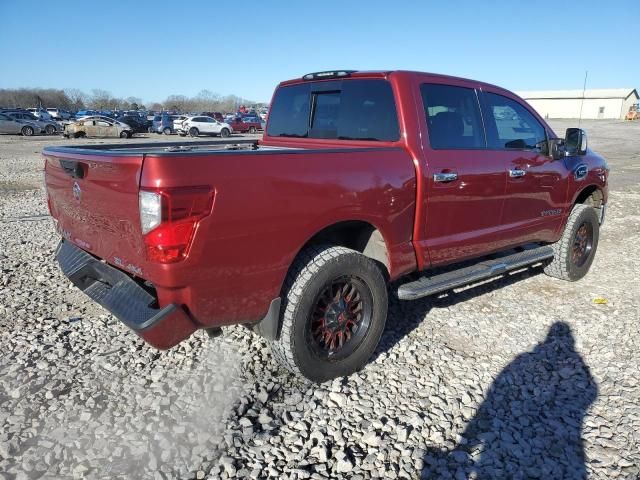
(169, 218)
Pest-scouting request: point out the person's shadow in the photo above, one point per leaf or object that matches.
(530, 423)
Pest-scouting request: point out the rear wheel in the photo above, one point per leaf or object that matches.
(27, 131)
(167, 131)
(225, 132)
(194, 132)
(574, 252)
(334, 313)
(252, 129)
(50, 129)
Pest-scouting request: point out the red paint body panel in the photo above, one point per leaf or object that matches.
(270, 202)
(243, 126)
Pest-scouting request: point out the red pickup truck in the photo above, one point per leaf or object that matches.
(362, 180)
(245, 125)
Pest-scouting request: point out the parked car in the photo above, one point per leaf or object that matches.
(217, 115)
(59, 114)
(12, 125)
(137, 124)
(200, 125)
(163, 124)
(49, 127)
(85, 113)
(246, 125)
(301, 235)
(97, 126)
(41, 113)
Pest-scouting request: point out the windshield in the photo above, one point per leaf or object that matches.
(342, 110)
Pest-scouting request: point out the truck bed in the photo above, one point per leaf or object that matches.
(169, 148)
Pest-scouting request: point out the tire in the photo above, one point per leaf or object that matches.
(312, 288)
(79, 135)
(27, 131)
(194, 132)
(124, 134)
(574, 252)
(252, 129)
(224, 133)
(50, 129)
(167, 131)
(182, 134)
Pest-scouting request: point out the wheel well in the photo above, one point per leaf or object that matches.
(592, 196)
(356, 235)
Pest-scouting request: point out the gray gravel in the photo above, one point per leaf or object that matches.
(520, 377)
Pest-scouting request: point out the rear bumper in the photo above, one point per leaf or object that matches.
(124, 298)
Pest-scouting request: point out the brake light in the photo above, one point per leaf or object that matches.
(169, 218)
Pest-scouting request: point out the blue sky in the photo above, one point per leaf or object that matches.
(151, 49)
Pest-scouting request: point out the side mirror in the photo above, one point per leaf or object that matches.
(575, 142)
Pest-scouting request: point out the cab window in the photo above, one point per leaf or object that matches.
(357, 109)
(453, 117)
(511, 126)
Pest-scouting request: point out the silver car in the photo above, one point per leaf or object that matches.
(49, 127)
(16, 126)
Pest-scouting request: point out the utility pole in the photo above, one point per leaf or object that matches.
(584, 88)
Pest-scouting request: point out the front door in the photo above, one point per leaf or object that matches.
(465, 187)
(535, 195)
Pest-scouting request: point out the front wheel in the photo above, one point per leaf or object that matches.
(225, 132)
(252, 129)
(334, 312)
(124, 134)
(574, 252)
(193, 131)
(50, 129)
(167, 131)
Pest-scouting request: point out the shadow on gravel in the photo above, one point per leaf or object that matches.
(400, 322)
(530, 423)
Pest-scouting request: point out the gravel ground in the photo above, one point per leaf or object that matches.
(520, 377)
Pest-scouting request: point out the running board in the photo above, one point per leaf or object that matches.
(442, 282)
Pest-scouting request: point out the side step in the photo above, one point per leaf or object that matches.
(442, 282)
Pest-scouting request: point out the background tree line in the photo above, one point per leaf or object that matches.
(74, 99)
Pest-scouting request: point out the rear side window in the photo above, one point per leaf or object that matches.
(343, 110)
(511, 126)
(453, 117)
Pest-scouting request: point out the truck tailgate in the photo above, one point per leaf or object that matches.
(94, 199)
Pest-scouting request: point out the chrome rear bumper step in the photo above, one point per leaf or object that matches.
(429, 285)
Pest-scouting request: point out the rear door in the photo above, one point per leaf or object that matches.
(465, 189)
(94, 199)
(90, 126)
(209, 125)
(536, 184)
(8, 124)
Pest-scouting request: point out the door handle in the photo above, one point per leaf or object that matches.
(517, 173)
(445, 177)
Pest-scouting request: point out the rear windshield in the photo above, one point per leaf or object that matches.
(343, 110)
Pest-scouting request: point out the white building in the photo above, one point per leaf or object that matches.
(597, 103)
